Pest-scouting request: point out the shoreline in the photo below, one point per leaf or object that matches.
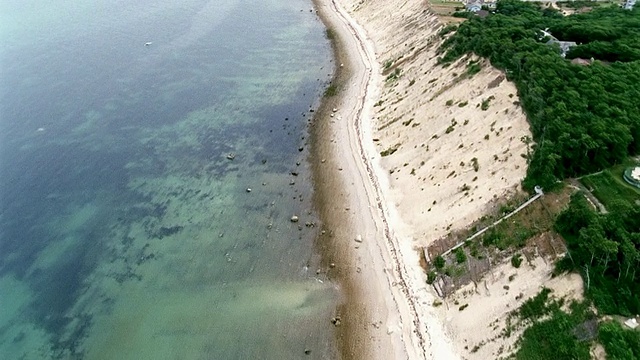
(382, 319)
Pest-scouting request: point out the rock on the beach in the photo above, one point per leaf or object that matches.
(336, 321)
(358, 238)
(295, 218)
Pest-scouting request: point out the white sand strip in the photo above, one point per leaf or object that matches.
(401, 326)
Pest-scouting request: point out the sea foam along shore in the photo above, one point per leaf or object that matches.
(395, 210)
(382, 319)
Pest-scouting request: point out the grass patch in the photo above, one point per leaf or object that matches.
(473, 69)
(395, 75)
(516, 260)
(485, 103)
(461, 257)
(609, 187)
(390, 150)
(331, 34)
(332, 90)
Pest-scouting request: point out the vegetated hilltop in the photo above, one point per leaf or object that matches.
(578, 79)
(583, 117)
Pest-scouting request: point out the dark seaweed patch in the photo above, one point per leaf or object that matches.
(168, 231)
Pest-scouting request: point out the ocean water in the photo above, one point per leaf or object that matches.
(126, 232)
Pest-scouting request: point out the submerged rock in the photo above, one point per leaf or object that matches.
(295, 218)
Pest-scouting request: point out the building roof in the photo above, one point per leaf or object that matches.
(628, 5)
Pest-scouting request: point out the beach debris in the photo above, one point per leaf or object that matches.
(358, 238)
(292, 182)
(148, 43)
(40, 129)
(294, 173)
(335, 109)
(336, 320)
(248, 190)
(231, 156)
(332, 265)
(331, 115)
(294, 218)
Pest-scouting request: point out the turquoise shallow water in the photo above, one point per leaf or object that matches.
(125, 230)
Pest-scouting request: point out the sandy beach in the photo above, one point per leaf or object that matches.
(407, 152)
(382, 323)
(387, 321)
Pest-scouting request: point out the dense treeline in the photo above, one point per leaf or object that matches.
(557, 331)
(605, 248)
(554, 333)
(583, 118)
(619, 343)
